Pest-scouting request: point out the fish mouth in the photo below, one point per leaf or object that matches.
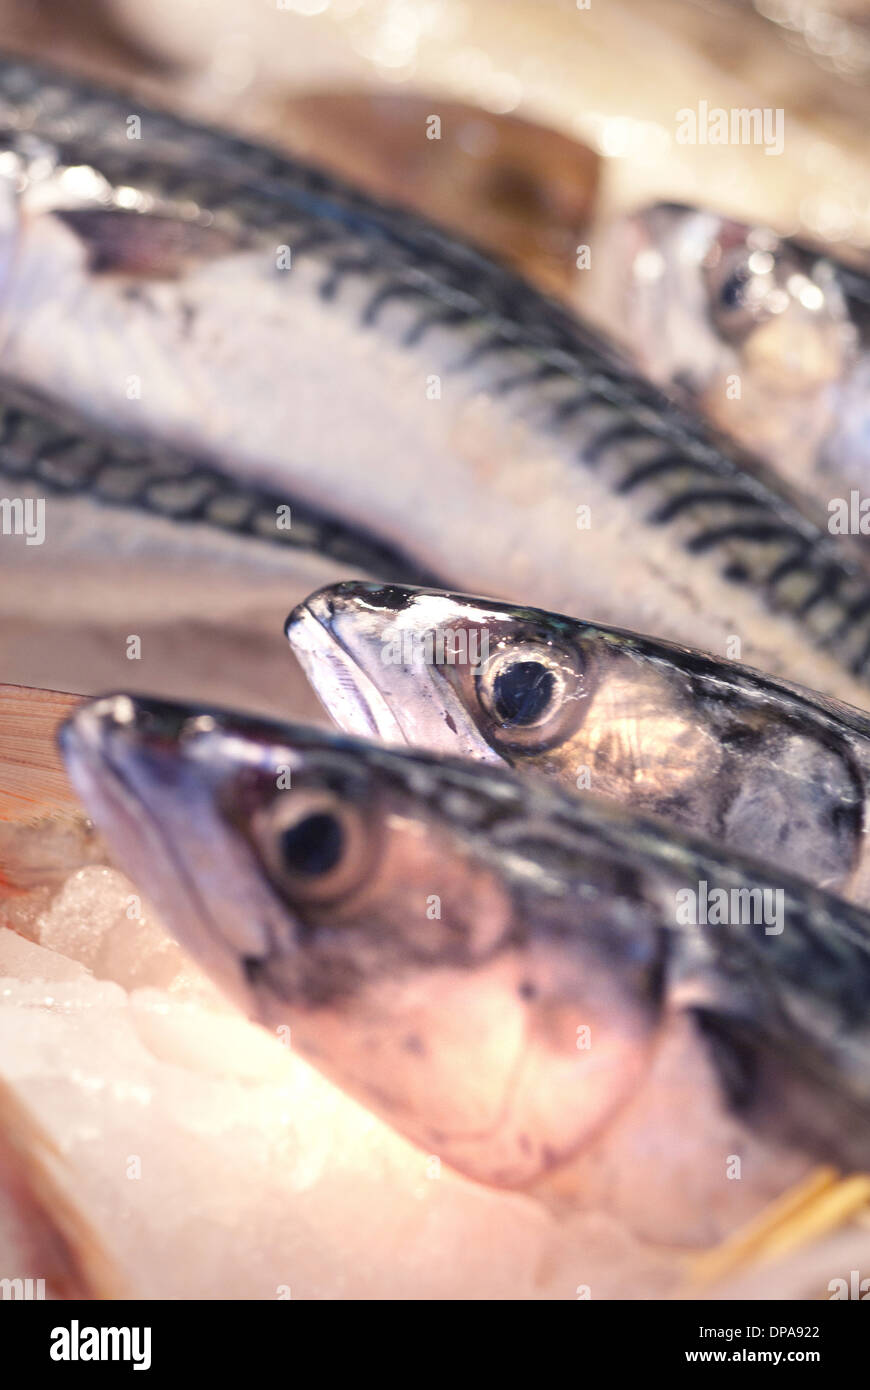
(119, 754)
(348, 638)
(349, 696)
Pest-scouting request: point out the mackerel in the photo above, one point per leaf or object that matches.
(305, 340)
(757, 764)
(766, 336)
(115, 551)
(502, 971)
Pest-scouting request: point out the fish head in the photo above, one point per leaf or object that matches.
(551, 696)
(706, 296)
(375, 653)
(425, 931)
(448, 672)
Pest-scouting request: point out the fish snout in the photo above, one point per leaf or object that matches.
(143, 771)
(333, 661)
(100, 722)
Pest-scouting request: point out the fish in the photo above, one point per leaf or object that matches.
(395, 377)
(756, 764)
(766, 335)
(497, 968)
(114, 549)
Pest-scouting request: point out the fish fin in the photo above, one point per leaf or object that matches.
(782, 1083)
(145, 246)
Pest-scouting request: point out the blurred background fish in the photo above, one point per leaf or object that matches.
(612, 76)
(769, 337)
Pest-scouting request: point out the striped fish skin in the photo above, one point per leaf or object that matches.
(455, 413)
(437, 934)
(765, 335)
(759, 765)
(145, 541)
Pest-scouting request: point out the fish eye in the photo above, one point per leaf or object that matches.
(522, 692)
(739, 286)
(732, 290)
(530, 693)
(313, 846)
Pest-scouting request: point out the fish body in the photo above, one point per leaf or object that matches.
(305, 341)
(494, 967)
(116, 550)
(767, 336)
(756, 764)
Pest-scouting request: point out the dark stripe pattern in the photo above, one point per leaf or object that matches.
(719, 503)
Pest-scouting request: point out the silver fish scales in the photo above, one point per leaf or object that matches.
(312, 381)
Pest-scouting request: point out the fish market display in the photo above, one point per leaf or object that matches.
(558, 987)
(767, 336)
(552, 474)
(506, 973)
(760, 766)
